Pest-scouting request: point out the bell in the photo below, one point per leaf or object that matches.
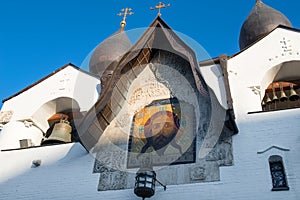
(263, 103)
(293, 94)
(268, 100)
(275, 98)
(61, 133)
(283, 96)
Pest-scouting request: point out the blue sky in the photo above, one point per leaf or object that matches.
(37, 37)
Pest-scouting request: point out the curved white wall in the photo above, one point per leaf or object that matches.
(251, 70)
(69, 82)
(15, 131)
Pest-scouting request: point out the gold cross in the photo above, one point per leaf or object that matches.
(159, 6)
(124, 12)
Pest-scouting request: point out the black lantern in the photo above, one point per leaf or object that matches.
(145, 183)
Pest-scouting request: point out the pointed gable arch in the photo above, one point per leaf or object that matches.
(159, 36)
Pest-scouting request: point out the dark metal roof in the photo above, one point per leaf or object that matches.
(261, 21)
(108, 51)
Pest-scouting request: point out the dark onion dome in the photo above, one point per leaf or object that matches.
(261, 21)
(108, 51)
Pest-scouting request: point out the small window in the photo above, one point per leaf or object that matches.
(278, 173)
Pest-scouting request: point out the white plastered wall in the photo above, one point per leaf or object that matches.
(252, 70)
(67, 89)
(214, 79)
(68, 82)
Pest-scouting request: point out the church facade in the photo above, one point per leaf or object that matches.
(150, 120)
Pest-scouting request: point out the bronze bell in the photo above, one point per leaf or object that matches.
(275, 98)
(293, 94)
(61, 133)
(263, 103)
(268, 100)
(283, 96)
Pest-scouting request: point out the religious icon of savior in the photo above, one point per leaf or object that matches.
(164, 129)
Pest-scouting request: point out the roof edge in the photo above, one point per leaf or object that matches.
(208, 62)
(262, 37)
(46, 77)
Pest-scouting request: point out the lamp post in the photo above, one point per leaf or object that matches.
(145, 182)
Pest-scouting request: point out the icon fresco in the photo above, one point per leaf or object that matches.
(164, 129)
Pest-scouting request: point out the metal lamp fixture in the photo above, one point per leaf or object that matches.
(145, 183)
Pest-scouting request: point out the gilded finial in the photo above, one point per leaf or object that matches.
(258, 2)
(159, 6)
(124, 12)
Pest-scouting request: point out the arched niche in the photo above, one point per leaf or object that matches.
(280, 87)
(65, 105)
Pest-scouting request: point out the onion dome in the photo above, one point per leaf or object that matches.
(261, 21)
(110, 50)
